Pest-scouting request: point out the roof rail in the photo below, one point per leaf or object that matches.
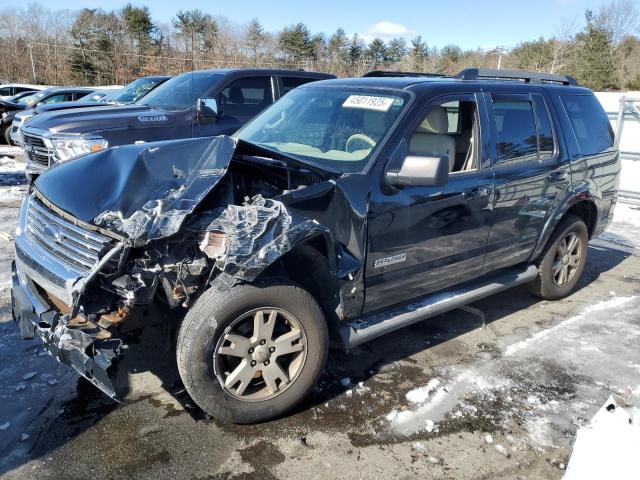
(521, 75)
(387, 73)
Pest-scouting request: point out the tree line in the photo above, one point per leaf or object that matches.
(99, 47)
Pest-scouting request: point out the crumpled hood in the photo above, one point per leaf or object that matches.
(141, 192)
(91, 119)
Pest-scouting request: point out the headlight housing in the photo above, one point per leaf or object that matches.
(68, 148)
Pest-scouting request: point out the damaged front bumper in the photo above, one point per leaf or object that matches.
(44, 293)
(86, 348)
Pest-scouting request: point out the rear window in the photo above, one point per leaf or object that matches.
(590, 123)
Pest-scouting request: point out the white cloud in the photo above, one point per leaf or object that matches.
(386, 30)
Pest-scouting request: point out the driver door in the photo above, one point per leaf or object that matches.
(422, 239)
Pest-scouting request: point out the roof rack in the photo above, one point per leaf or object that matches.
(387, 73)
(521, 75)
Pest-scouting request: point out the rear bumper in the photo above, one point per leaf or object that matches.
(87, 349)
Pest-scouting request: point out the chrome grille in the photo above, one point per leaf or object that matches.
(76, 248)
(35, 149)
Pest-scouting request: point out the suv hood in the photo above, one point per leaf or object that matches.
(69, 105)
(91, 119)
(143, 192)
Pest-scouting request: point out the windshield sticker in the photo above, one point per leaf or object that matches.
(367, 102)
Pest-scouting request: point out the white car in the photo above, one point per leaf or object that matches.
(11, 89)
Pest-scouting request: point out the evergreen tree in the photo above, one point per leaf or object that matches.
(377, 52)
(595, 62)
(396, 50)
(296, 42)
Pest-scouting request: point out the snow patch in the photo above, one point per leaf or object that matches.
(608, 446)
(420, 394)
(604, 305)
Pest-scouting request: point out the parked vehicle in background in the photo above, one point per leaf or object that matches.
(44, 97)
(348, 209)
(98, 95)
(194, 104)
(11, 89)
(19, 96)
(135, 90)
(12, 104)
(99, 98)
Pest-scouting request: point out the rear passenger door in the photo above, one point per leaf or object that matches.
(240, 101)
(530, 177)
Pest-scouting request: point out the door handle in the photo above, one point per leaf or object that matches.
(557, 176)
(476, 192)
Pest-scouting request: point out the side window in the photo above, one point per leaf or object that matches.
(590, 123)
(451, 128)
(5, 91)
(289, 83)
(247, 97)
(516, 128)
(545, 131)
(62, 97)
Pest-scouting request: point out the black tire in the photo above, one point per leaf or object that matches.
(6, 135)
(206, 322)
(545, 285)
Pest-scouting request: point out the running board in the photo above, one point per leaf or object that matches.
(374, 325)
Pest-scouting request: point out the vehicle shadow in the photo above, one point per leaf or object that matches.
(390, 353)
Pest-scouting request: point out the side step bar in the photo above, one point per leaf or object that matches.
(374, 325)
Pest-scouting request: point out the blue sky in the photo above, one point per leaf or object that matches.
(466, 23)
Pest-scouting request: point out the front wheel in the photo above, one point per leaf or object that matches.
(6, 135)
(252, 352)
(562, 261)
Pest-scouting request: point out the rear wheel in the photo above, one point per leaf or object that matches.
(251, 353)
(562, 261)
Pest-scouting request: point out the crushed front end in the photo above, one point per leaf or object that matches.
(99, 258)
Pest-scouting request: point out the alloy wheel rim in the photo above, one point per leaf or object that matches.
(567, 259)
(260, 354)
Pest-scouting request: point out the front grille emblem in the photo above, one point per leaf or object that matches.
(53, 233)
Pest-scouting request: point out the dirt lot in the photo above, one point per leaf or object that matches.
(445, 398)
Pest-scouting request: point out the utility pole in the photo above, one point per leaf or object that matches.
(33, 65)
(500, 52)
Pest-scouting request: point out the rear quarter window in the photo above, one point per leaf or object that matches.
(289, 83)
(590, 123)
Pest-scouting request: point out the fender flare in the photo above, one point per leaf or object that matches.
(587, 193)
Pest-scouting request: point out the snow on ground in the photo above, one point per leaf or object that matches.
(624, 230)
(608, 446)
(13, 183)
(598, 344)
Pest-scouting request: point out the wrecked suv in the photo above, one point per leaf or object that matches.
(348, 209)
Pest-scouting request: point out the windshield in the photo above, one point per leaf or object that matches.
(336, 128)
(132, 92)
(181, 92)
(26, 100)
(31, 99)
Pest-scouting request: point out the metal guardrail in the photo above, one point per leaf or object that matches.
(628, 108)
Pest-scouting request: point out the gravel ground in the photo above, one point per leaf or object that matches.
(447, 398)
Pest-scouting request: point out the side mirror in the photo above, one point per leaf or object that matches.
(415, 170)
(208, 108)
